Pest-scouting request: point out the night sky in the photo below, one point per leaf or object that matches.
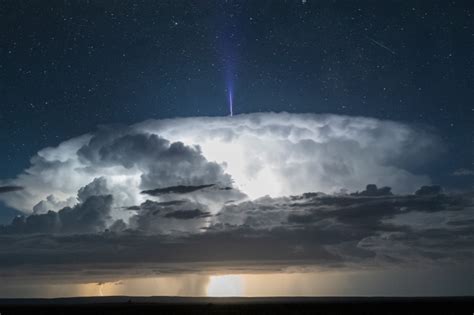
(144, 139)
(68, 66)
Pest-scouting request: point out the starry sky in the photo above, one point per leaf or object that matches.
(348, 157)
(68, 66)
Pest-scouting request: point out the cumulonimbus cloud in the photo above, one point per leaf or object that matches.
(256, 154)
(260, 188)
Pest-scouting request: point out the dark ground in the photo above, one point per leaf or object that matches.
(168, 305)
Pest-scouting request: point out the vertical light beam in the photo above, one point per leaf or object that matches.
(231, 105)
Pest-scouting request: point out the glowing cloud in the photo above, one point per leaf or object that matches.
(258, 154)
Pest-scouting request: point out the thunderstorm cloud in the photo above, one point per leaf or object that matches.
(268, 189)
(259, 154)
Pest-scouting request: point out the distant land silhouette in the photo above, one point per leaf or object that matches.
(238, 305)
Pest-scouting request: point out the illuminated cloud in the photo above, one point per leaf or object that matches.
(256, 154)
(269, 190)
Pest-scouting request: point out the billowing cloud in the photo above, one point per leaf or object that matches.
(281, 154)
(256, 154)
(52, 203)
(129, 160)
(268, 189)
(88, 217)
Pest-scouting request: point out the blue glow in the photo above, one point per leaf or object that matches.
(231, 105)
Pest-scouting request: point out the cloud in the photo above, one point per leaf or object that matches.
(52, 203)
(7, 189)
(429, 190)
(312, 229)
(175, 217)
(282, 154)
(463, 172)
(181, 189)
(254, 155)
(187, 214)
(96, 188)
(90, 216)
(268, 189)
(159, 160)
(373, 190)
(129, 160)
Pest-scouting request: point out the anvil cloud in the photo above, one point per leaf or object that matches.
(267, 190)
(259, 154)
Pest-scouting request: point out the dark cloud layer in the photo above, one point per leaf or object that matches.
(429, 190)
(370, 228)
(6, 189)
(180, 189)
(187, 214)
(174, 217)
(373, 190)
